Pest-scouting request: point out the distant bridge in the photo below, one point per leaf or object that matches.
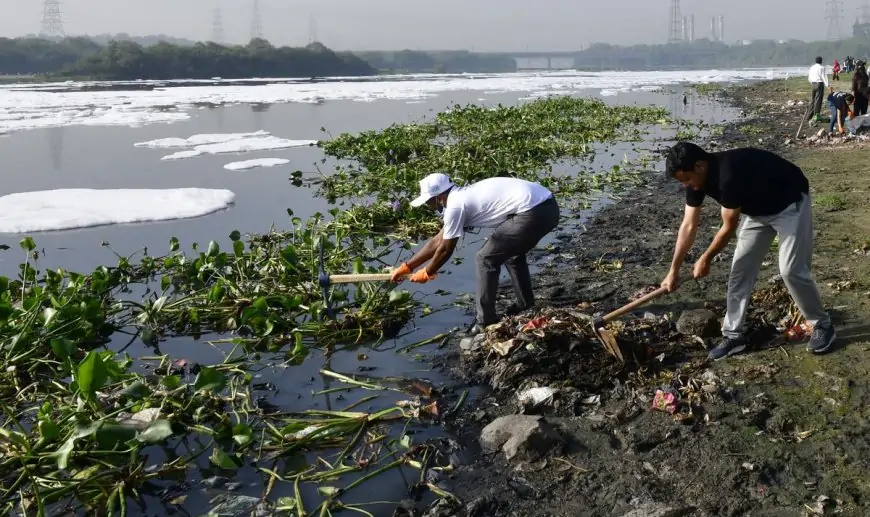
(590, 58)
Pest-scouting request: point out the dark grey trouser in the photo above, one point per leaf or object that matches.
(794, 225)
(508, 245)
(816, 103)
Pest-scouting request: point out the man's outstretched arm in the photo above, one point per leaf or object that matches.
(685, 240)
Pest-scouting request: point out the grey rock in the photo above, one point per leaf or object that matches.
(698, 322)
(524, 437)
(659, 510)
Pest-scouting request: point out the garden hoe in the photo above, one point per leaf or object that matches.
(608, 340)
(325, 280)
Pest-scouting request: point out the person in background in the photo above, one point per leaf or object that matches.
(819, 80)
(762, 196)
(522, 213)
(860, 84)
(838, 103)
(835, 70)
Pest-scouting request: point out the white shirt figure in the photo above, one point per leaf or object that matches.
(489, 202)
(817, 74)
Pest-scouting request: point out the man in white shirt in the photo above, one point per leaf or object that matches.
(819, 79)
(521, 212)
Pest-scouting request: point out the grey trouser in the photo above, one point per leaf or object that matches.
(794, 225)
(816, 103)
(508, 245)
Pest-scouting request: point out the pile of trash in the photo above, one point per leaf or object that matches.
(557, 347)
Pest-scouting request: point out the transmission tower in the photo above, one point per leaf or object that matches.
(256, 21)
(312, 30)
(833, 13)
(217, 26)
(52, 20)
(676, 26)
(865, 11)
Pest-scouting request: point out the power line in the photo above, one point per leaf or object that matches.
(256, 21)
(52, 20)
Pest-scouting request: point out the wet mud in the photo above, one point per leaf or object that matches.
(776, 431)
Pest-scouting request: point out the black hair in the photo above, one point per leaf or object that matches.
(850, 98)
(683, 157)
(818, 60)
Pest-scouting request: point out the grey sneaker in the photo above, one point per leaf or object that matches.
(822, 339)
(727, 347)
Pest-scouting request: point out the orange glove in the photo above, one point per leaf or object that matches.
(421, 277)
(398, 274)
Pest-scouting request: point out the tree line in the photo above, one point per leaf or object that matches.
(128, 60)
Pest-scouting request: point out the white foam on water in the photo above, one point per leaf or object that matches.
(609, 93)
(65, 209)
(24, 107)
(242, 145)
(195, 140)
(253, 164)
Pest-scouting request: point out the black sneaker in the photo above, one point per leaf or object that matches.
(727, 347)
(822, 339)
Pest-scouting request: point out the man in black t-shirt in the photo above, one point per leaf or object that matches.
(773, 197)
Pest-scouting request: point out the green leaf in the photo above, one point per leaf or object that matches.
(138, 390)
(327, 491)
(213, 249)
(48, 315)
(358, 266)
(239, 248)
(243, 434)
(171, 381)
(235, 235)
(111, 436)
(223, 460)
(173, 245)
(48, 430)
(210, 379)
(92, 374)
(27, 244)
(63, 348)
(156, 432)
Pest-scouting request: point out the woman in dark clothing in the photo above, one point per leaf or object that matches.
(859, 88)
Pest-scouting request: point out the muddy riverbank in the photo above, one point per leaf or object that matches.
(774, 432)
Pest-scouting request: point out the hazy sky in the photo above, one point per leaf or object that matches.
(433, 24)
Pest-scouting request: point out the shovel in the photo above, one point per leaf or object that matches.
(608, 340)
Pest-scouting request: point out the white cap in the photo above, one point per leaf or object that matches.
(431, 186)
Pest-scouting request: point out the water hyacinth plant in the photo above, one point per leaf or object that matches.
(88, 430)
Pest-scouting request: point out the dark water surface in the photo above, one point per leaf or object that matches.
(105, 157)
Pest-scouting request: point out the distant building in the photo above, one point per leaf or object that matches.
(861, 30)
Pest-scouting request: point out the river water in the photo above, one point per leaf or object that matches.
(63, 138)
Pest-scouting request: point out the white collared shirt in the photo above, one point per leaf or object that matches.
(817, 74)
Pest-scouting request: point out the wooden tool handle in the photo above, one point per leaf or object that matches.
(364, 277)
(635, 304)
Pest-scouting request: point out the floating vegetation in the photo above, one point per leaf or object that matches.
(473, 142)
(80, 425)
(87, 430)
(551, 141)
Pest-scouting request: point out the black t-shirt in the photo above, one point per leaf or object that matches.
(756, 181)
(839, 101)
